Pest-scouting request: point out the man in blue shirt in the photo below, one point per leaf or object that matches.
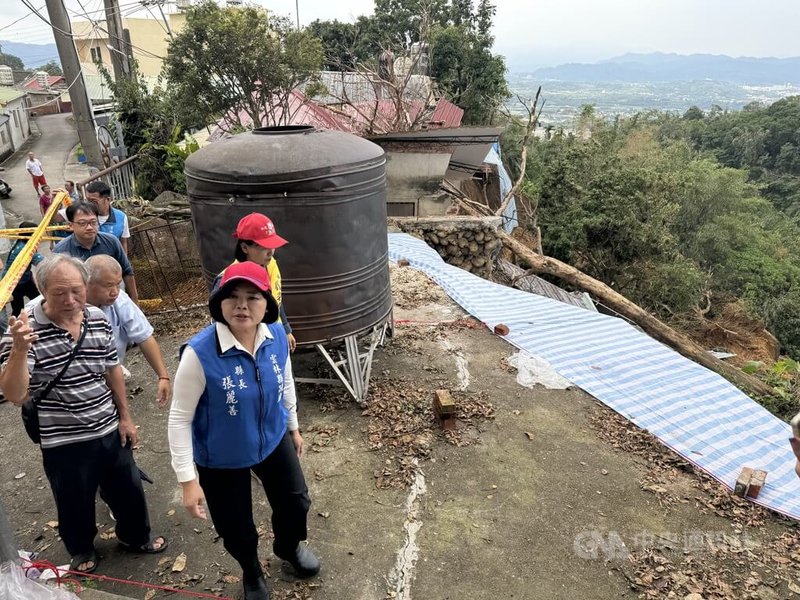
(112, 220)
(131, 327)
(86, 240)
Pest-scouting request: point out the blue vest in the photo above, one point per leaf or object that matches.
(115, 224)
(240, 418)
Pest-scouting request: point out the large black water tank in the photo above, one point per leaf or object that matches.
(326, 193)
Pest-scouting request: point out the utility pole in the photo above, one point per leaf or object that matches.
(81, 107)
(116, 38)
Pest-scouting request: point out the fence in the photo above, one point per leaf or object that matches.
(166, 263)
(119, 177)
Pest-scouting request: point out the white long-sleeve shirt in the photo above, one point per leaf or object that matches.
(190, 382)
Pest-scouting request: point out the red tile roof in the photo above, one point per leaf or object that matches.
(52, 80)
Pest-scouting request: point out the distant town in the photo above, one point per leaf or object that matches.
(564, 99)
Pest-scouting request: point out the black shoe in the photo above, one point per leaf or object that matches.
(257, 589)
(303, 561)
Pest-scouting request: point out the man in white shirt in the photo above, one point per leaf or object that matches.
(112, 220)
(34, 167)
(128, 322)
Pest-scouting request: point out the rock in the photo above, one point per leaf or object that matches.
(433, 239)
(501, 329)
(479, 236)
(473, 247)
(164, 199)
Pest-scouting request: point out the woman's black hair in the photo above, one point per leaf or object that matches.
(27, 225)
(226, 291)
(88, 208)
(239, 254)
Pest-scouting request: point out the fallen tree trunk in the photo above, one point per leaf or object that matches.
(650, 324)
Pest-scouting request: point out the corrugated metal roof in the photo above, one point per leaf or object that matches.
(537, 285)
(8, 94)
(446, 114)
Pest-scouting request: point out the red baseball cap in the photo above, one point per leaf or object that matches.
(249, 272)
(259, 229)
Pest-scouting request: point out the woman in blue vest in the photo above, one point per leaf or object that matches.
(234, 412)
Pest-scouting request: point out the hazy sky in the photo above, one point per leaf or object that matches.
(532, 34)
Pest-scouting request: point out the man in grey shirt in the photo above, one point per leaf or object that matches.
(87, 432)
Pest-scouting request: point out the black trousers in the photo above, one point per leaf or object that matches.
(18, 295)
(76, 471)
(230, 503)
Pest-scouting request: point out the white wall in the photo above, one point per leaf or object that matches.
(18, 121)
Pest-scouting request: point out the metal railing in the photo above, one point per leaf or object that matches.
(119, 177)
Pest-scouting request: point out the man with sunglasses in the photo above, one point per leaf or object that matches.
(87, 240)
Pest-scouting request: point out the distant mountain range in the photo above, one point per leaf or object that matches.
(655, 67)
(32, 55)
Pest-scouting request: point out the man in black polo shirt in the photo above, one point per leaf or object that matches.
(87, 240)
(86, 428)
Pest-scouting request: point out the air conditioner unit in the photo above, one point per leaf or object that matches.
(183, 4)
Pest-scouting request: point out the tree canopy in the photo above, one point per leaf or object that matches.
(15, 62)
(459, 40)
(238, 62)
(51, 68)
(652, 209)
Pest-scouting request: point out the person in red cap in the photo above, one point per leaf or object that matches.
(234, 412)
(257, 243)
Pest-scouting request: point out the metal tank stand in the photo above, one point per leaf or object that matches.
(354, 366)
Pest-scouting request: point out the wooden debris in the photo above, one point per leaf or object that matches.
(743, 481)
(445, 408)
(757, 482)
(651, 325)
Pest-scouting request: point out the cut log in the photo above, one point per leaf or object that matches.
(653, 326)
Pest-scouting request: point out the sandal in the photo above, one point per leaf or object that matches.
(149, 547)
(86, 557)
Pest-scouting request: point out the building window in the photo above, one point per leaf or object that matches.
(97, 56)
(16, 119)
(3, 137)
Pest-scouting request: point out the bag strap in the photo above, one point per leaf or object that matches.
(57, 378)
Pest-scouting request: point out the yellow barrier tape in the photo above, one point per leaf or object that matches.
(23, 259)
(28, 230)
(48, 238)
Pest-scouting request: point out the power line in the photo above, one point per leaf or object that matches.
(96, 23)
(18, 20)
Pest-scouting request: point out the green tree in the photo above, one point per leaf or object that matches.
(52, 68)
(459, 41)
(339, 40)
(239, 64)
(151, 130)
(12, 61)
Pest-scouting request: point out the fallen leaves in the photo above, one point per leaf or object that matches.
(402, 425)
(180, 563)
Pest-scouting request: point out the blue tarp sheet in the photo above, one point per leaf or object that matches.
(694, 411)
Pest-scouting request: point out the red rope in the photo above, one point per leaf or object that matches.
(43, 565)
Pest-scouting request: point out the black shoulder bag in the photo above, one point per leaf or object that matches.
(30, 412)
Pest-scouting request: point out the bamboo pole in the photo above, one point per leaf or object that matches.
(23, 259)
(654, 327)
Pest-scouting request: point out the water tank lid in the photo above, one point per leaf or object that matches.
(281, 154)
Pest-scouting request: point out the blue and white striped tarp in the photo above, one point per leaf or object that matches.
(694, 411)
